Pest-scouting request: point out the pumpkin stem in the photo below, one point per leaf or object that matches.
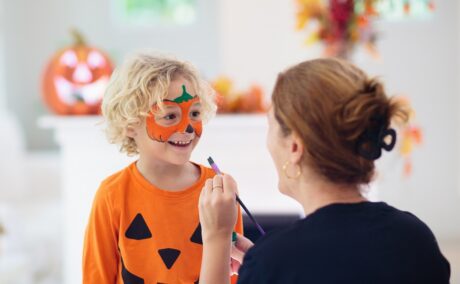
(78, 37)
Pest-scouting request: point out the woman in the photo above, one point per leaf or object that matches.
(328, 123)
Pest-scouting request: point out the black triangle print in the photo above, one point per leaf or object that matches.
(197, 282)
(128, 277)
(196, 237)
(138, 229)
(169, 256)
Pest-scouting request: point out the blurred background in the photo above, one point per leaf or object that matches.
(53, 153)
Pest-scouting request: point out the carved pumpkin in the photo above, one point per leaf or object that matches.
(75, 79)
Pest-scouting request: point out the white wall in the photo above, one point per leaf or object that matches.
(258, 40)
(11, 144)
(34, 30)
(2, 60)
(420, 60)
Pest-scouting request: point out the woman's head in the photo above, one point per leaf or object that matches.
(145, 80)
(335, 113)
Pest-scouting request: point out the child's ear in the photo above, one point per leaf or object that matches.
(131, 132)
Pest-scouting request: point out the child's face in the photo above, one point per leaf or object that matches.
(171, 135)
(181, 114)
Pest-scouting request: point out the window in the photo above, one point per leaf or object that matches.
(400, 9)
(157, 12)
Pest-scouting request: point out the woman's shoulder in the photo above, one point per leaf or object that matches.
(377, 219)
(404, 221)
(335, 224)
(366, 215)
(408, 227)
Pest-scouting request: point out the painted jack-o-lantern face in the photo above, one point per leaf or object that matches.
(188, 123)
(75, 80)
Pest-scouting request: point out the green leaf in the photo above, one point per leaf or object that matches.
(185, 97)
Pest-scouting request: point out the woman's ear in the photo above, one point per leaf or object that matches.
(296, 148)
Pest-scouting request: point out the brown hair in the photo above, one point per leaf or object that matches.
(332, 105)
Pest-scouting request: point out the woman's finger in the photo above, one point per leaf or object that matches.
(234, 267)
(207, 188)
(237, 254)
(229, 184)
(217, 183)
(242, 243)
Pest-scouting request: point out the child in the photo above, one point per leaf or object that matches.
(144, 225)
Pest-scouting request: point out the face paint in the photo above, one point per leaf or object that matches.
(162, 133)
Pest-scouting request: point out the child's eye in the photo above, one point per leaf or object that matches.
(196, 114)
(170, 117)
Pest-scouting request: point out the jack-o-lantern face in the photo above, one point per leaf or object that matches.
(186, 124)
(75, 80)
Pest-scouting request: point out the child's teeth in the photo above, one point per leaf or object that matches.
(181, 143)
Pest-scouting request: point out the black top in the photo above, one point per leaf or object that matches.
(348, 243)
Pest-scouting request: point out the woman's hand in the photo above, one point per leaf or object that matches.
(218, 207)
(242, 245)
(218, 214)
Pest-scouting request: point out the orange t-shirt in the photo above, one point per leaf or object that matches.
(138, 233)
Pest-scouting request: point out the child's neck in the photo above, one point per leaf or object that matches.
(168, 176)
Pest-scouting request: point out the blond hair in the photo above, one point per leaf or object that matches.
(140, 82)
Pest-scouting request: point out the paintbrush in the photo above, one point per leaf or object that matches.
(217, 171)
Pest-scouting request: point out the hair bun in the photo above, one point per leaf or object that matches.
(365, 119)
(373, 86)
(368, 111)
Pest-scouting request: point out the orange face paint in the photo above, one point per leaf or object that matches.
(186, 125)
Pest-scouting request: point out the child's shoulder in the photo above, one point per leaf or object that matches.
(117, 180)
(206, 171)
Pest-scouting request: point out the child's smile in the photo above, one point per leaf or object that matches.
(182, 142)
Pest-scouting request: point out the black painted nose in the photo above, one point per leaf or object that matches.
(189, 129)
